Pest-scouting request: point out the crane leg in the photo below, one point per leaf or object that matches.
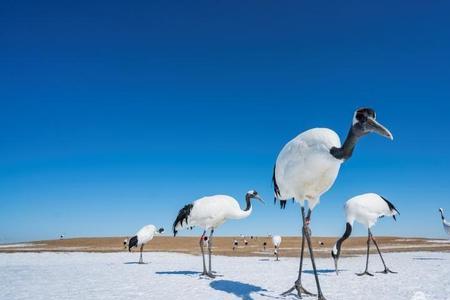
(386, 269)
(141, 261)
(307, 231)
(366, 272)
(203, 253)
(210, 253)
(205, 272)
(298, 283)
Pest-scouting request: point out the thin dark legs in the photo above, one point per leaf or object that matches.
(203, 254)
(311, 254)
(209, 249)
(366, 272)
(141, 261)
(201, 242)
(298, 283)
(386, 269)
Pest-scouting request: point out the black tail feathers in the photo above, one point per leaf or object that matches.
(133, 243)
(182, 217)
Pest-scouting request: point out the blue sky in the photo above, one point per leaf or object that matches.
(115, 115)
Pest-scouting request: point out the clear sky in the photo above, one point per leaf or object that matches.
(115, 115)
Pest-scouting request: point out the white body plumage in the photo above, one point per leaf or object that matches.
(146, 234)
(276, 240)
(212, 211)
(305, 169)
(366, 209)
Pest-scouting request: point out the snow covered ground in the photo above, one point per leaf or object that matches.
(422, 275)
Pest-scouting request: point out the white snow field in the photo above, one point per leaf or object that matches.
(76, 275)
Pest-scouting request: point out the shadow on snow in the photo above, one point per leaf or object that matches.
(239, 289)
(323, 271)
(178, 273)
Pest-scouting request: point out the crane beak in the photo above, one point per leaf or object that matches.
(259, 199)
(336, 265)
(376, 127)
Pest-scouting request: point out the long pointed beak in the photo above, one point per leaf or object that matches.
(378, 128)
(336, 266)
(259, 199)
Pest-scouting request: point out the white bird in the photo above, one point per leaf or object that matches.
(307, 167)
(125, 243)
(235, 244)
(142, 237)
(365, 209)
(445, 223)
(209, 213)
(276, 240)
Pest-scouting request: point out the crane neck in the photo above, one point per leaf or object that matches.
(346, 151)
(241, 214)
(348, 231)
(442, 215)
(248, 203)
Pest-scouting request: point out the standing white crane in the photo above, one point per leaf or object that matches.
(445, 223)
(142, 237)
(209, 213)
(276, 240)
(307, 167)
(365, 209)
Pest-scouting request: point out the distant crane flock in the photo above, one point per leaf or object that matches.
(305, 169)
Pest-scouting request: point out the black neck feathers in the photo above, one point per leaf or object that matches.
(346, 151)
(348, 231)
(248, 202)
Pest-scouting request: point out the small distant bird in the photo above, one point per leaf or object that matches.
(365, 209)
(321, 243)
(205, 241)
(209, 213)
(125, 243)
(142, 237)
(307, 167)
(61, 237)
(264, 245)
(276, 240)
(235, 244)
(245, 242)
(445, 223)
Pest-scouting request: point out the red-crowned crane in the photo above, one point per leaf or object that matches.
(307, 167)
(276, 241)
(142, 237)
(365, 209)
(445, 223)
(209, 213)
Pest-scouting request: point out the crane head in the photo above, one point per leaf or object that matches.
(252, 194)
(364, 122)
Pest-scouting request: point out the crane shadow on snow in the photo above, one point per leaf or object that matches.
(178, 273)
(135, 263)
(239, 289)
(323, 271)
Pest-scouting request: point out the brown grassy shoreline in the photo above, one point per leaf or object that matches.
(223, 245)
